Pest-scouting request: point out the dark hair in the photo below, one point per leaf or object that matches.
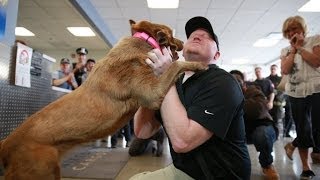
(238, 73)
(91, 60)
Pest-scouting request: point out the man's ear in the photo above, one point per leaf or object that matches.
(132, 23)
(216, 56)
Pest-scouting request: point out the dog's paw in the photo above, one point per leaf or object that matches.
(198, 66)
(192, 66)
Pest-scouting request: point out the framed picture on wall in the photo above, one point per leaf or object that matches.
(23, 65)
(3, 17)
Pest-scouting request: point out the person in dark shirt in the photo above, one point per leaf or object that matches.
(79, 66)
(202, 114)
(266, 86)
(261, 130)
(279, 97)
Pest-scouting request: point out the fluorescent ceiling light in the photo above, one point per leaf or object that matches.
(270, 40)
(170, 4)
(81, 31)
(21, 31)
(311, 6)
(240, 61)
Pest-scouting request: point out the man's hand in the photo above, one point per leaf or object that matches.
(70, 76)
(159, 62)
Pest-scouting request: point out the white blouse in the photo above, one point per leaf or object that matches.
(304, 80)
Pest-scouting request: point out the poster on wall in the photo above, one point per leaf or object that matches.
(23, 65)
(3, 14)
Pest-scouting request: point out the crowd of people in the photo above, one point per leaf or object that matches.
(72, 75)
(207, 133)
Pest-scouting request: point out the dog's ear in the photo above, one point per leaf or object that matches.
(162, 39)
(132, 23)
(178, 43)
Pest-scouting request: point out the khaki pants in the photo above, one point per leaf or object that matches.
(167, 173)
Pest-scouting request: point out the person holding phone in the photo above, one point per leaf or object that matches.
(301, 61)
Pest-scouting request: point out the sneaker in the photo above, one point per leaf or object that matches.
(270, 172)
(315, 158)
(308, 174)
(289, 148)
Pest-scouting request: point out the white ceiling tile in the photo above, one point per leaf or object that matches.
(132, 3)
(194, 4)
(104, 4)
(238, 23)
(110, 12)
(136, 13)
(225, 4)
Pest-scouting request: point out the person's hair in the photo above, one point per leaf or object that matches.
(238, 73)
(274, 65)
(293, 19)
(257, 68)
(91, 60)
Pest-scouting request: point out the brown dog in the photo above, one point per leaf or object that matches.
(105, 102)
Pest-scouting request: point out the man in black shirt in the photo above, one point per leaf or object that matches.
(278, 102)
(202, 114)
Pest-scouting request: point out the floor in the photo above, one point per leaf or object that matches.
(288, 170)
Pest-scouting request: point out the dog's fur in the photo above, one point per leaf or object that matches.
(119, 84)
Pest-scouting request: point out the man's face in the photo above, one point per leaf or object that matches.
(258, 73)
(273, 70)
(65, 67)
(82, 58)
(89, 66)
(200, 46)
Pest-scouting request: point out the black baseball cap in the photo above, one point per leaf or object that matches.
(64, 61)
(200, 22)
(82, 50)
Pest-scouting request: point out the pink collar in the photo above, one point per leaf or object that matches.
(148, 39)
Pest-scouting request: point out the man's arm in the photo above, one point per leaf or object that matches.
(58, 82)
(145, 123)
(185, 134)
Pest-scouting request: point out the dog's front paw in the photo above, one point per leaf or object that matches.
(198, 66)
(193, 66)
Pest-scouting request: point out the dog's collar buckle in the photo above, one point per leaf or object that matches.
(150, 40)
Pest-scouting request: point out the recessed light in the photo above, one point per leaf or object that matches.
(22, 31)
(240, 61)
(170, 4)
(81, 31)
(311, 6)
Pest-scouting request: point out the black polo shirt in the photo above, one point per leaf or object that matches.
(214, 99)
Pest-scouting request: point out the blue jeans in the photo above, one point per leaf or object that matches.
(263, 138)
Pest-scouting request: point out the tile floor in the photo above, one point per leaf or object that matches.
(288, 170)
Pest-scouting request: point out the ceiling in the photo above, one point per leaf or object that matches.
(238, 23)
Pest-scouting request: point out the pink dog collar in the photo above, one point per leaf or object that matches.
(148, 39)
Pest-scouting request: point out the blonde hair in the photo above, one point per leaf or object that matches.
(291, 20)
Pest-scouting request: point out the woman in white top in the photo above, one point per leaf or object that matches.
(301, 62)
